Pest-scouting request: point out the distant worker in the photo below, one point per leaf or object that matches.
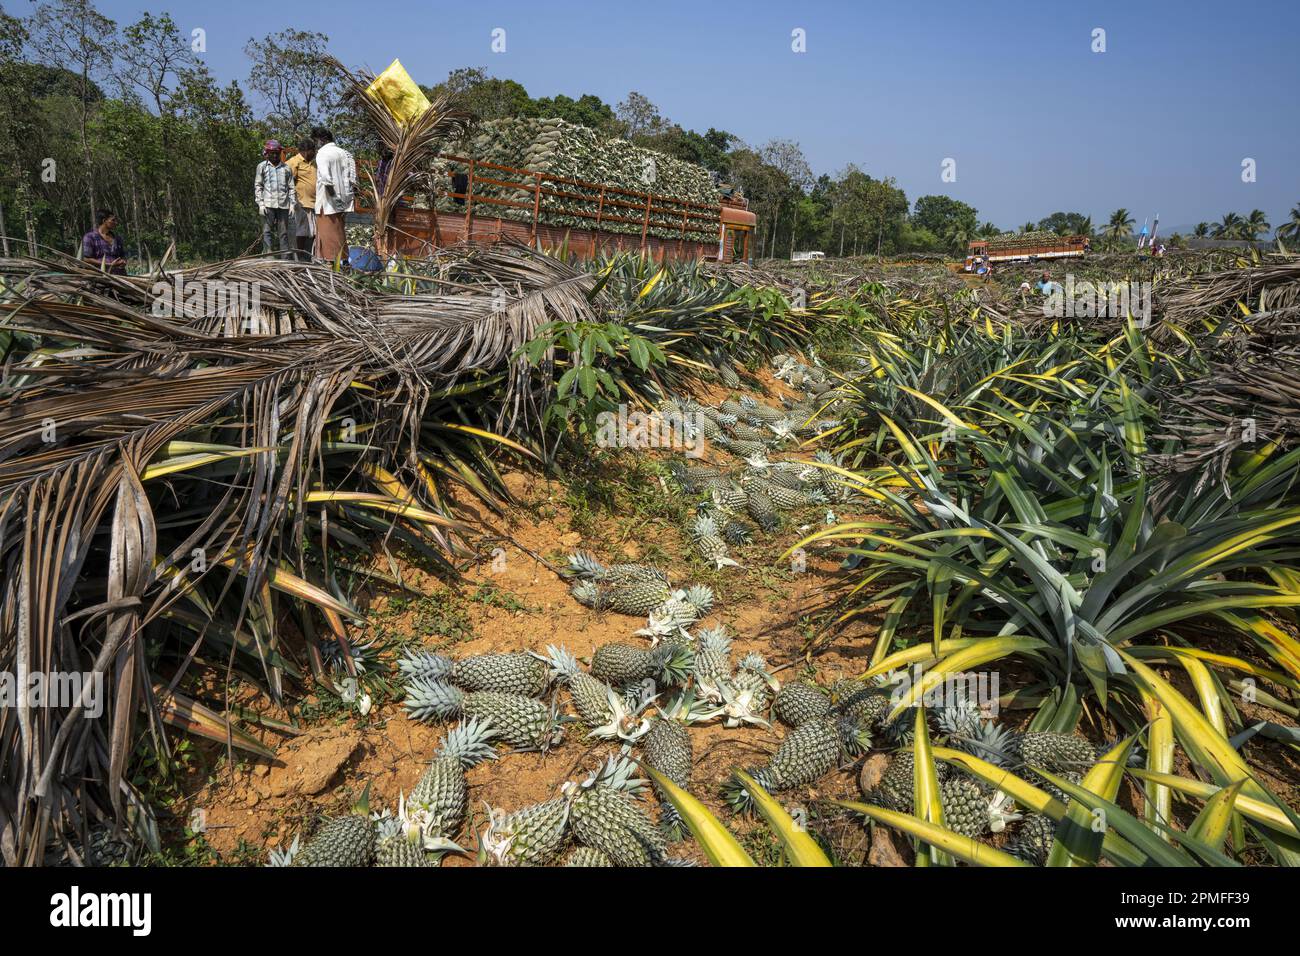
(102, 247)
(1025, 289)
(274, 190)
(383, 169)
(303, 165)
(336, 184)
(459, 187)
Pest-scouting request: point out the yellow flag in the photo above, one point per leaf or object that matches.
(397, 91)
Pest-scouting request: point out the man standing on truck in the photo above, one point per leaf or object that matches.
(303, 166)
(336, 184)
(274, 192)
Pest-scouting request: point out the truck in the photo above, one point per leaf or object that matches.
(1024, 247)
(806, 256)
(514, 210)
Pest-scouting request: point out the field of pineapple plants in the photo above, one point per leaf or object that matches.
(371, 579)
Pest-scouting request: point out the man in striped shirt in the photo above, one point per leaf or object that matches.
(273, 187)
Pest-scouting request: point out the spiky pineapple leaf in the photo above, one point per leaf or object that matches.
(717, 842)
(800, 848)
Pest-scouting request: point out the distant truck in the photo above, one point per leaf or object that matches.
(806, 256)
(1024, 247)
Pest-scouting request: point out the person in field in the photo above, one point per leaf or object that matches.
(336, 184)
(274, 191)
(102, 246)
(303, 167)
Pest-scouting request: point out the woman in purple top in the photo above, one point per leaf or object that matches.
(103, 247)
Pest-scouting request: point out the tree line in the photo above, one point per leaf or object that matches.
(99, 114)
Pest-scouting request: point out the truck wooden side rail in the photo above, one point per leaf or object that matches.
(420, 230)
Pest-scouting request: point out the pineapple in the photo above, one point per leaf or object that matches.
(750, 433)
(727, 497)
(970, 808)
(607, 817)
(764, 413)
(585, 856)
(896, 788)
(606, 713)
(742, 448)
(504, 673)
(784, 498)
(619, 664)
(1057, 753)
(1034, 839)
(532, 836)
(667, 748)
(759, 505)
(440, 799)
(709, 544)
(870, 707)
(682, 609)
(634, 599)
(342, 841)
(747, 695)
(396, 847)
(584, 565)
(520, 721)
(712, 662)
(799, 702)
(736, 532)
(805, 755)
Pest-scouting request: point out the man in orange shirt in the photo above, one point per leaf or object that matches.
(303, 165)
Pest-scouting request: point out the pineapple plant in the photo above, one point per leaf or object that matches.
(438, 803)
(707, 539)
(503, 673)
(398, 846)
(896, 788)
(805, 755)
(531, 836)
(799, 702)
(619, 664)
(521, 722)
(605, 712)
(606, 816)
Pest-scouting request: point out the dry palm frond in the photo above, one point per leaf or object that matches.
(413, 145)
(160, 476)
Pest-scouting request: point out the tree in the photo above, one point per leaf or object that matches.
(155, 54)
(1291, 228)
(1231, 226)
(1256, 223)
(289, 70)
(940, 215)
(640, 117)
(587, 110)
(72, 34)
(1120, 225)
(1202, 230)
(487, 97)
(1067, 224)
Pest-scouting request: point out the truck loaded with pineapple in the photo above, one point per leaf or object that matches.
(505, 558)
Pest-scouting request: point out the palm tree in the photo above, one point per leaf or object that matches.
(1256, 223)
(1291, 228)
(1203, 229)
(1120, 225)
(1229, 227)
(1031, 226)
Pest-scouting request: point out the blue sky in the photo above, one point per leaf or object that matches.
(1036, 121)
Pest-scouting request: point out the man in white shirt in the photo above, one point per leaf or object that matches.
(336, 186)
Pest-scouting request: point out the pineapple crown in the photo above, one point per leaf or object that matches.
(626, 716)
(684, 708)
(748, 402)
(705, 527)
(758, 461)
(855, 738)
(713, 639)
(1002, 811)
(618, 772)
(726, 421)
(564, 666)
(755, 663)
(740, 704)
(425, 664)
(586, 593)
(737, 795)
(583, 564)
(421, 827)
(700, 597)
(432, 699)
(284, 857)
(825, 457)
(469, 742)
(673, 663)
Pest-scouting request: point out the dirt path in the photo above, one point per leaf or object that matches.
(511, 601)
